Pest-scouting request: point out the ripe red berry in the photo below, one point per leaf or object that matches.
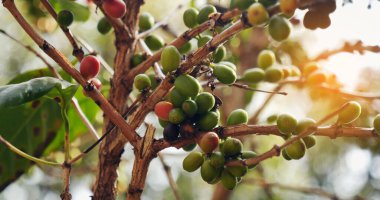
(89, 67)
(209, 142)
(162, 110)
(114, 8)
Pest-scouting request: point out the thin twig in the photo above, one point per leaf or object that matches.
(169, 175)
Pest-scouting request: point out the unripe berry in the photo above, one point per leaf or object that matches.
(217, 160)
(237, 171)
(229, 64)
(170, 58)
(229, 182)
(232, 147)
(224, 74)
(146, 21)
(190, 17)
(208, 142)
(65, 18)
(238, 116)
(189, 147)
(350, 113)
(208, 121)
(286, 123)
(266, 58)
(248, 155)
(253, 76)
(176, 116)
(317, 77)
(288, 6)
(296, 150)
(104, 26)
(257, 14)
(176, 97)
(162, 110)
(309, 141)
(279, 28)
(205, 12)
(142, 82)
(304, 124)
(154, 42)
(219, 54)
(187, 85)
(114, 8)
(205, 102)
(185, 48)
(203, 40)
(189, 107)
(192, 161)
(89, 67)
(273, 74)
(208, 172)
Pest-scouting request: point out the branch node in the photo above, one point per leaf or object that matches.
(277, 149)
(45, 46)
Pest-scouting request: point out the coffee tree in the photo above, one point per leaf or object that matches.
(180, 81)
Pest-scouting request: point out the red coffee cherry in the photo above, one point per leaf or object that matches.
(162, 110)
(89, 67)
(114, 8)
(208, 142)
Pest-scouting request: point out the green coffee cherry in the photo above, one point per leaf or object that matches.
(241, 4)
(65, 18)
(104, 26)
(273, 74)
(253, 76)
(232, 147)
(266, 58)
(185, 48)
(189, 147)
(208, 172)
(224, 74)
(205, 102)
(279, 28)
(203, 40)
(176, 116)
(192, 161)
(170, 58)
(237, 171)
(257, 14)
(190, 17)
(376, 124)
(285, 155)
(238, 116)
(296, 150)
(217, 160)
(272, 118)
(248, 155)
(187, 85)
(229, 182)
(304, 124)
(228, 64)
(309, 141)
(286, 123)
(176, 97)
(153, 80)
(208, 121)
(189, 107)
(219, 54)
(154, 42)
(137, 59)
(350, 113)
(163, 123)
(146, 21)
(142, 82)
(205, 12)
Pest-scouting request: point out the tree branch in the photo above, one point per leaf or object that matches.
(169, 175)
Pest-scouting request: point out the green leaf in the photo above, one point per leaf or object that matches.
(43, 72)
(81, 12)
(30, 127)
(17, 94)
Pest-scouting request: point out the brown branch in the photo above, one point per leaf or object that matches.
(59, 58)
(169, 175)
(156, 66)
(65, 195)
(77, 51)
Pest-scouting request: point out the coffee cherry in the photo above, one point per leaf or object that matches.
(279, 28)
(257, 14)
(114, 8)
(205, 102)
(316, 78)
(310, 68)
(304, 124)
(97, 83)
(192, 161)
(171, 132)
(208, 121)
(296, 150)
(189, 107)
(272, 118)
(217, 160)
(208, 172)
(154, 81)
(219, 54)
(104, 26)
(154, 42)
(266, 58)
(285, 155)
(229, 64)
(187, 130)
(176, 97)
(162, 109)
(273, 74)
(208, 142)
(350, 113)
(295, 71)
(286, 123)
(229, 182)
(238, 116)
(185, 48)
(176, 116)
(232, 147)
(309, 141)
(241, 4)
(248, 155)
(237, 171)
(253, 76)
(187, 85)
(288, 6)
(146, 21)
(142, 82)
(65, 18)
(190, 17)
(137, 59)
(224, 74)
(205, 12)
(170, 58)
(189, 147)
(203, 40)
(89, 67)
(376, 124)
(163, 123)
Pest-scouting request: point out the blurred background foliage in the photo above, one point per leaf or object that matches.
(345, 167)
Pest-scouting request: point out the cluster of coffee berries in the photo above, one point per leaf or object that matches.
(114, 9)
(317, 15)
(192, 17)
(89, 68)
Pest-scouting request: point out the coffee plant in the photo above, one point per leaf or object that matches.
(182, 82)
